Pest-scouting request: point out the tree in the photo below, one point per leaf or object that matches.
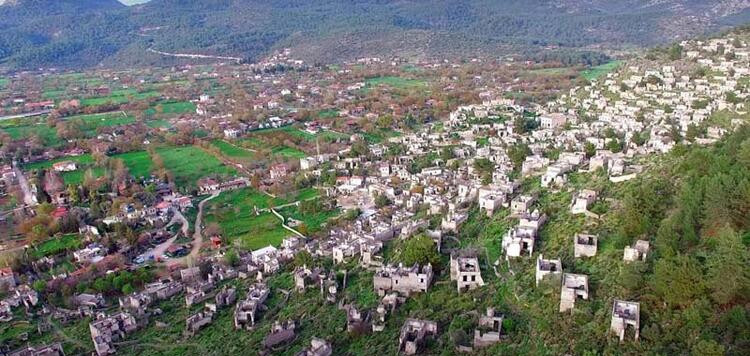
(707, 348)
(589, 149)
(39, 285)
(420, 250)
(675, 52)
(303, 258)
(381, 200)
(677, 280)
(231, 258)
(518, 154)
(728, 277)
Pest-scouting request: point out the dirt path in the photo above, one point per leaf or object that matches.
(28, 198)
(197, 236)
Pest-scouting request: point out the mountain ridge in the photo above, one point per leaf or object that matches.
(70, 34)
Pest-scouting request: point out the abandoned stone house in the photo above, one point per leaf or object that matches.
(225, 297)
(198, 292)
(163, 289)
(318, 347)
(55, 349)
(639, 251)
(281, 333)
(546, 268)
(584, 245)
(190, 275)
(522, 204)
(574, 286)
(246, 311)
(465, 270)
(197, 321)
(329, 287)
(7, 279)
(583, 201)
(355, 320)
(405, 280)
(388, 304)
(519, 241)
(489, 329)
(414, 334)
(135, 302)
(624, 315)
(368, 253)
(305, 277)
(107, 330)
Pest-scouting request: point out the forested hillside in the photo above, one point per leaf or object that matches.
(72, 33)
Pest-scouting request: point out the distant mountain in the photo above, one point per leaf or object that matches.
(67, 33)
(133, 2)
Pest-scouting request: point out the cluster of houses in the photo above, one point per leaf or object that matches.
(474, 168)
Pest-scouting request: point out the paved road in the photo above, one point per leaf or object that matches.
(29, 114)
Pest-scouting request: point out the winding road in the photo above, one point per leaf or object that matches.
(197, 236)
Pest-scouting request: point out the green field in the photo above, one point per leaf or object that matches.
(171, 107)
(288, 152)
(119, 96)
(595, 72)
(304, 194)
(328, 114)
(56, 245)
(4, 82)
(154, 124)
(85, 162)
(314, 222)
(76, 177)
(234, 212)
(138, 162)
(25, 130)
(190, 163)
(246, 198)
(231, 150)
(53, 94)
(551, 71)
(95, 121)
(395, 82)
(380, 135)
(82, 159)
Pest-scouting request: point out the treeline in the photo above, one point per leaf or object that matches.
(696, 287)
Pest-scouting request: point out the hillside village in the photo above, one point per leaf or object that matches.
(454, 209)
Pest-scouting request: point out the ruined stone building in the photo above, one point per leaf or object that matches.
(387, 305)
(246, 312)
(465, 270)
(107, 330)
(318, 347)
(574, 286)
(489, 329)
(197, 321)
(547, 267)
(414, 334)
(624, 315)
(405, 280)
(585, 245)
(639, 251)
(47, 350)
(281, 333)
(583, 201)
